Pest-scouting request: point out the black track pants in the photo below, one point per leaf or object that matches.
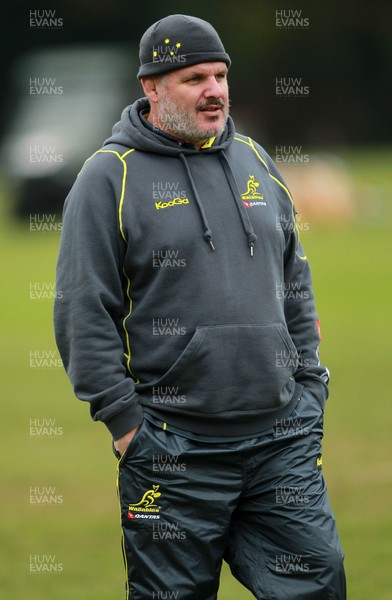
(261, 504)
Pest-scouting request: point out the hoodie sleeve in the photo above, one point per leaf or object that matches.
(89, 310)
(299, 304)
(302, 320)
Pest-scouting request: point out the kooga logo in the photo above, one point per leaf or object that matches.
(174, 202)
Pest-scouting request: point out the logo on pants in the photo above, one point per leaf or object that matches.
(146, 505)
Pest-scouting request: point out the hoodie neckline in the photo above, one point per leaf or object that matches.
(134, 131)
(172, 138)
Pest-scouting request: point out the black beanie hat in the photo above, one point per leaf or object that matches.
(179, 41)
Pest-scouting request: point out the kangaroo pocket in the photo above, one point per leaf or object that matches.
(229, 368)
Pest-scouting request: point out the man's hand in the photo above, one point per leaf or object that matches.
(123, 442)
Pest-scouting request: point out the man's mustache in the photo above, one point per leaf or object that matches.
(211, 102)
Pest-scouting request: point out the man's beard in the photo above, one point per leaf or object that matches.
(174, 119)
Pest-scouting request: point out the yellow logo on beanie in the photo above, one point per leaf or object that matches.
(166, 53)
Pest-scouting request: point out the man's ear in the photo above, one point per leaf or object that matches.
(149, 85)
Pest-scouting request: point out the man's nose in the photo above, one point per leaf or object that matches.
(212, 88)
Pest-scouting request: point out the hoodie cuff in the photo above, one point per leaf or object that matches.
(318, 389)
(124, 421)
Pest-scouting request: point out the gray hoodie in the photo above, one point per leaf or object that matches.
(186, 293)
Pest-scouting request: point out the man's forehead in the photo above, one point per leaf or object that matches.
(206, 68)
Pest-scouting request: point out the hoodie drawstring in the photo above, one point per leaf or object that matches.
(246, 223)
(244, 215)
(207, 235)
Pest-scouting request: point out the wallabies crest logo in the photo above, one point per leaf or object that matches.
(146, 505)
(252, 193)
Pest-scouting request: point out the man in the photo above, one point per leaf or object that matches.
(188, 323)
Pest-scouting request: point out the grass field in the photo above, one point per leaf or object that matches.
(80, 534)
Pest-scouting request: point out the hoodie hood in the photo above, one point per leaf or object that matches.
(134, 131)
